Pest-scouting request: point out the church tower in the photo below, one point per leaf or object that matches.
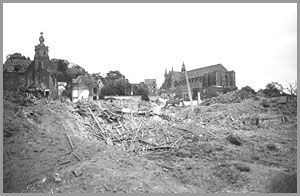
(183, 67)
(41, 51)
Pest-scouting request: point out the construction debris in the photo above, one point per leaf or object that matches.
(230, 97)
(212, 148)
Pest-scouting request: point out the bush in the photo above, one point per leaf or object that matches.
(273, 89)
(248, 89)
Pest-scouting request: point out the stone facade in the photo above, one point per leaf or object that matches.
(205, 79)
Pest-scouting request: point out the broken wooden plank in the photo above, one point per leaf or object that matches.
(97, 122)
(210, 133)
(70, 142)
(159, 148)
(64, 163)
(151, 144)
(51, 110)
(183, 129)
(77, 157)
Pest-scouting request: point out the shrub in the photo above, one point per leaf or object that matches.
(248, 89)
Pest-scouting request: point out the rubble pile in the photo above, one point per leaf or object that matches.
(142, 131)
(135, 131)
(245, 115)
(230, 97)
(21, 98)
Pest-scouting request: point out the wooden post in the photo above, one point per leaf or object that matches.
(199, 98)
(189, 91)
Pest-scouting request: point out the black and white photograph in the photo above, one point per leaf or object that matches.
(149, 97)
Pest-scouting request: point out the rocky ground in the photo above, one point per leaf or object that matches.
(237, 146)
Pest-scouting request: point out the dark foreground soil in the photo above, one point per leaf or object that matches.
(235, 147)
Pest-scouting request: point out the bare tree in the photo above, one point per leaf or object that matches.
(291, 87)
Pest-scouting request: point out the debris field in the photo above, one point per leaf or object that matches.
(232, 143)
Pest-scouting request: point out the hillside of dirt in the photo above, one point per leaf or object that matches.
(238, 146)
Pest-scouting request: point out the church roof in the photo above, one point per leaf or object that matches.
(177, 75)
(203, 70)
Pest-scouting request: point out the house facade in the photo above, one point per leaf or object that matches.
(86, 87)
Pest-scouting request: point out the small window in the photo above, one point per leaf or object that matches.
(44, 52)
(94, 90)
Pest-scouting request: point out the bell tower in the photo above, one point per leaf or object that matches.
(41, 51)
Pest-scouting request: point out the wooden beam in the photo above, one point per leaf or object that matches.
(189, 91)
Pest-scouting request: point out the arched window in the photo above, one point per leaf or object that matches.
(226, 80)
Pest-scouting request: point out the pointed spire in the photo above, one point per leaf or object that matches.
(183, 67)
(166, 73)
(172, 68)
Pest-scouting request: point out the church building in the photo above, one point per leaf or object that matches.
(39, 74)
(206, 80)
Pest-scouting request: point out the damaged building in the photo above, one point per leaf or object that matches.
(39, 74)
(86, 87)
(149, 84)
(14, 71)
(207, 80)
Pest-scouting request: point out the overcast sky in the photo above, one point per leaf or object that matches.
(257, 41)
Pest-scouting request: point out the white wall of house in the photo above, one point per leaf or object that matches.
(78, 95)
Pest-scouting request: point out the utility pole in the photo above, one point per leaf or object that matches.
(188, 86)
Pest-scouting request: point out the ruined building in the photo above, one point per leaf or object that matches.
(86, 87)
(14, 71)
(39, 74)
(149, 84)
(206, 80)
